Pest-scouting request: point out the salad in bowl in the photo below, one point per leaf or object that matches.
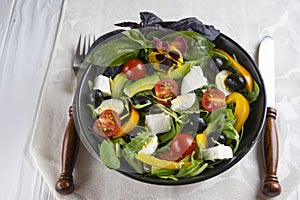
(169, 102)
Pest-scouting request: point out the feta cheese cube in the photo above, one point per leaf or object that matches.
(102, 83)
(183, 102)
(193, 80)
(158, 123)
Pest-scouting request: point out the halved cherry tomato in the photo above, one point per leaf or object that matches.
(108, 123)
(213, 99)
(169, 155)
(183, 144)
(166, 90)
(134, 69)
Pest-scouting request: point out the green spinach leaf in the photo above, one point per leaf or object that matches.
(108, 154)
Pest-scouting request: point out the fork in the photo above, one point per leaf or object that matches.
(82, 50)
(70, 146)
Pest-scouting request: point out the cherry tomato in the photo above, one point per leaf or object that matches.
(108, 123)
(183, 144)
(166, 90)
(213, 99)
(169, 155)
(134, 69)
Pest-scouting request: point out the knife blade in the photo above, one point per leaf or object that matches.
(266, 63)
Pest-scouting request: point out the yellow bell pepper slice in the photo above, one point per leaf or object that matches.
(158, 163)
(130, 124)
(201, 139)
(247, 76)
(241, 111)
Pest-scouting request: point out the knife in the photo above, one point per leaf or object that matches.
(266, 63)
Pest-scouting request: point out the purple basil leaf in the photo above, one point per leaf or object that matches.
(128, 24)
(149, 19)
(193, 24)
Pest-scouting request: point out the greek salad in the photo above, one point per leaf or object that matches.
(169, 103)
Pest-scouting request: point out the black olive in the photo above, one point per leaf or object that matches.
(236, 82)
(219, 63)
(112, 71)
(196, 124)
(98, 96)
(215, 137)
(142, 103)
(140, 100)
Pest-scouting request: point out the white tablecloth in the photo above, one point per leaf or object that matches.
(247, 22)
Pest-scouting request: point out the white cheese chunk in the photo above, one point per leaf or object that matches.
(158, 123)
(193, 80)
(102, 83)
(183, 102)
(113, 104)
(219, 152)
(150, 145)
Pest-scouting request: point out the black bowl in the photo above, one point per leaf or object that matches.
(252, 127)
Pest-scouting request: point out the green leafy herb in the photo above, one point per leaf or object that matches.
(136, 35)
(251, 97)
(229, 130)
(108, 154)
(117, 51)
(217, 120)
(131, 148)
(138, 142)
(165, 137)
(193, 170)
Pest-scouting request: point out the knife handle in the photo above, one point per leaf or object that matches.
(70, 147)
(271, 186)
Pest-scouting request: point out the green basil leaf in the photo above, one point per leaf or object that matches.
(136, 35)
(108, 154)
(119, 50)
(115, 52)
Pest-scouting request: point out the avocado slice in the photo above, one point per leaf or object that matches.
(117, 85)
(146, 83)
(181, 71)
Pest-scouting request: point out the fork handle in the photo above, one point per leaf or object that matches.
(271, 186)
(70, 148)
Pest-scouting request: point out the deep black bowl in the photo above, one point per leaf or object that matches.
(252, 127)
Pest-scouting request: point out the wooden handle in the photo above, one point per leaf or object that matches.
(69, 153)
(271, 186)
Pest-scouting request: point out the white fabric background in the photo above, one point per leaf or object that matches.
(247, 22)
